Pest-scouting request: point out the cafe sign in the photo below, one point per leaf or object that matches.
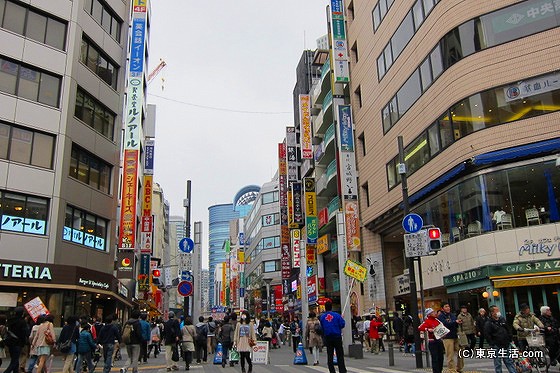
(466, 276)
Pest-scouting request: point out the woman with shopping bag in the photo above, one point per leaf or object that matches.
(436, 330)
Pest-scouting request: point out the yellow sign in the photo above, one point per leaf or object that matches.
(355, 270)
(323, 244)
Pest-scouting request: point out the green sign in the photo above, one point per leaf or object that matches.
(522, 14)
(312, 226)
(338, 29)
(466, 276)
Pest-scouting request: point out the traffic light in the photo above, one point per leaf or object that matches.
(434, 239)
(156, 273)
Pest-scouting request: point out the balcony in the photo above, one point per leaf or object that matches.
(323, 86)
(326, 115)
(334, 206)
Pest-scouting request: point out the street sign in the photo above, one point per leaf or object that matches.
(185, 261)
(185, 288)
(186, 276)
(412, 223)
(186, 245)
(416, 244)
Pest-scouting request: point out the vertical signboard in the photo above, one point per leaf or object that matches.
(127, 237)
(286, 259)
(311, 221)
(339, 58)
(296, 236)
(297, 207)
(146, 227)
(305, 131)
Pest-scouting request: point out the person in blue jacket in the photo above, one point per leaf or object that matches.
(86, 346)
(332, 324)
(146, 336)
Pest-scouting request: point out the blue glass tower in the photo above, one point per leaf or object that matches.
(218, 228)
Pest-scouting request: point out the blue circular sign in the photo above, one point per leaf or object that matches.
(412, 223)
(185, 288)
(186, 245)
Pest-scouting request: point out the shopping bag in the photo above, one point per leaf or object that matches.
(463, 340)
(440, 331)
(233, 355)
(175, 354)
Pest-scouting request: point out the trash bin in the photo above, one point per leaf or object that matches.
(356, 351)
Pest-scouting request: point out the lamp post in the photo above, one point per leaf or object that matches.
(267, 282)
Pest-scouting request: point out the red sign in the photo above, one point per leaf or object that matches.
(323, 217)
(322, 300)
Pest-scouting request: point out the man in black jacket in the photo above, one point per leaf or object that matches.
(108, 334)
(17, 326)
(171, 335)
(498, 336)
(133, 347)
(551, 327)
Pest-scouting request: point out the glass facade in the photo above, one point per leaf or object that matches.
(516, 195)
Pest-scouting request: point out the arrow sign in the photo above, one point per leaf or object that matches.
(186, 245)
(185, 288)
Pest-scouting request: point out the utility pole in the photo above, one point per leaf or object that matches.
(411, 271)
(187, 206)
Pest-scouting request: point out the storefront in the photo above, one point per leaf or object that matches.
(65, 290)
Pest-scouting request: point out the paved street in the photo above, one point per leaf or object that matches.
(281, 360)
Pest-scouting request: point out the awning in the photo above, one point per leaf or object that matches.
(436, 183)
(527, 281)
(548, 146)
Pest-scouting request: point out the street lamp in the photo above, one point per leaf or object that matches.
(267, 282)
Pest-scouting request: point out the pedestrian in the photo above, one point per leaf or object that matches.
(374, 334)
(85, 348)
(288, 333)
(367, 323)
(226, 337)
(155, 339)
(409, 346)
(134, 330)
(244, 340)
(398, 325)
(360, 329)
(295, 331)
(201, 340)
(313, 336)
(188, 334)
(42, 341)
(467, 326)
(211, 337)
(551, 327)
(480, 322)
(434, 345)
(267, 333)
(525, 319)
(108, 335)
(281, 334)
(69, 333)
(146, 336)
(3, 332)
(382, 330)
(332, 324)
(451, 340)
(499, 338)
(18, 326)
(171, 335)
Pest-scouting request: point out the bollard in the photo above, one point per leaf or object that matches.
(391, 355)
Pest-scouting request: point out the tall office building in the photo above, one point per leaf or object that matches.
(473, 89)
(218, 231)
(62, 78)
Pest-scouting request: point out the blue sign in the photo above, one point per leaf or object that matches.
(137, 46)
(186, 276)
(336, 6)
(149, 157)
(185, 288)
(412, 223)
(309, 271)
(186, 245)
(346, 128)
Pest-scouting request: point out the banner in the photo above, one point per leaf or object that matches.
(305, 127)
(127, 236)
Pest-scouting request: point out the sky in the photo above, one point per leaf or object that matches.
(227, 93)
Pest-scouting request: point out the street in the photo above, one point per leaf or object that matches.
(281, 360)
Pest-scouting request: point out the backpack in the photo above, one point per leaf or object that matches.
(201, 333)
(318, 329)
(212, 327)
(127, 333)
(410, 329)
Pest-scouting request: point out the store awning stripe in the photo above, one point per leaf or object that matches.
(527, 281)
(548, 146)
(436, 183)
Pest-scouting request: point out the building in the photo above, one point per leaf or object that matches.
(218, 231)
(62, 83)
(472, 88)
(262, 252)
(205, 288)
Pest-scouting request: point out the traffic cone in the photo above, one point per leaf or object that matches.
(334, 359)
(300, 358)
(219, 354)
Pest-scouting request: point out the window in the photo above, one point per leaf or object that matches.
(354, 51)
(416, 154)
(105, 16)
(98, 62)
(409, 93)
(32, 24)
(29, 82)
(95, 114)
(23, 213)
(271, 266)
(270, 219)
(85, 229)
(362, 142)
(270, 242)
(26, 146)
(358, 96)
(351, 10)
(269, 197)
(89, 169)
(365, 189)
(379, 12)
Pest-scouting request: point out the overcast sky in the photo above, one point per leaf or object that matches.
(223, 57)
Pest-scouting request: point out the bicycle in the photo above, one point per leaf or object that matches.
(539, 356)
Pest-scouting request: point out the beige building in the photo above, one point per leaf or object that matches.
(473, 88)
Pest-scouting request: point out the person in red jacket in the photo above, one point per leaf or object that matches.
(374, 334)
(435, 345)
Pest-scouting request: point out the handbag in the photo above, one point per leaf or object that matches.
(65, 346)
(49, 339)
(233, 355)
(440, 331)
(252, 342)
(175, 354)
